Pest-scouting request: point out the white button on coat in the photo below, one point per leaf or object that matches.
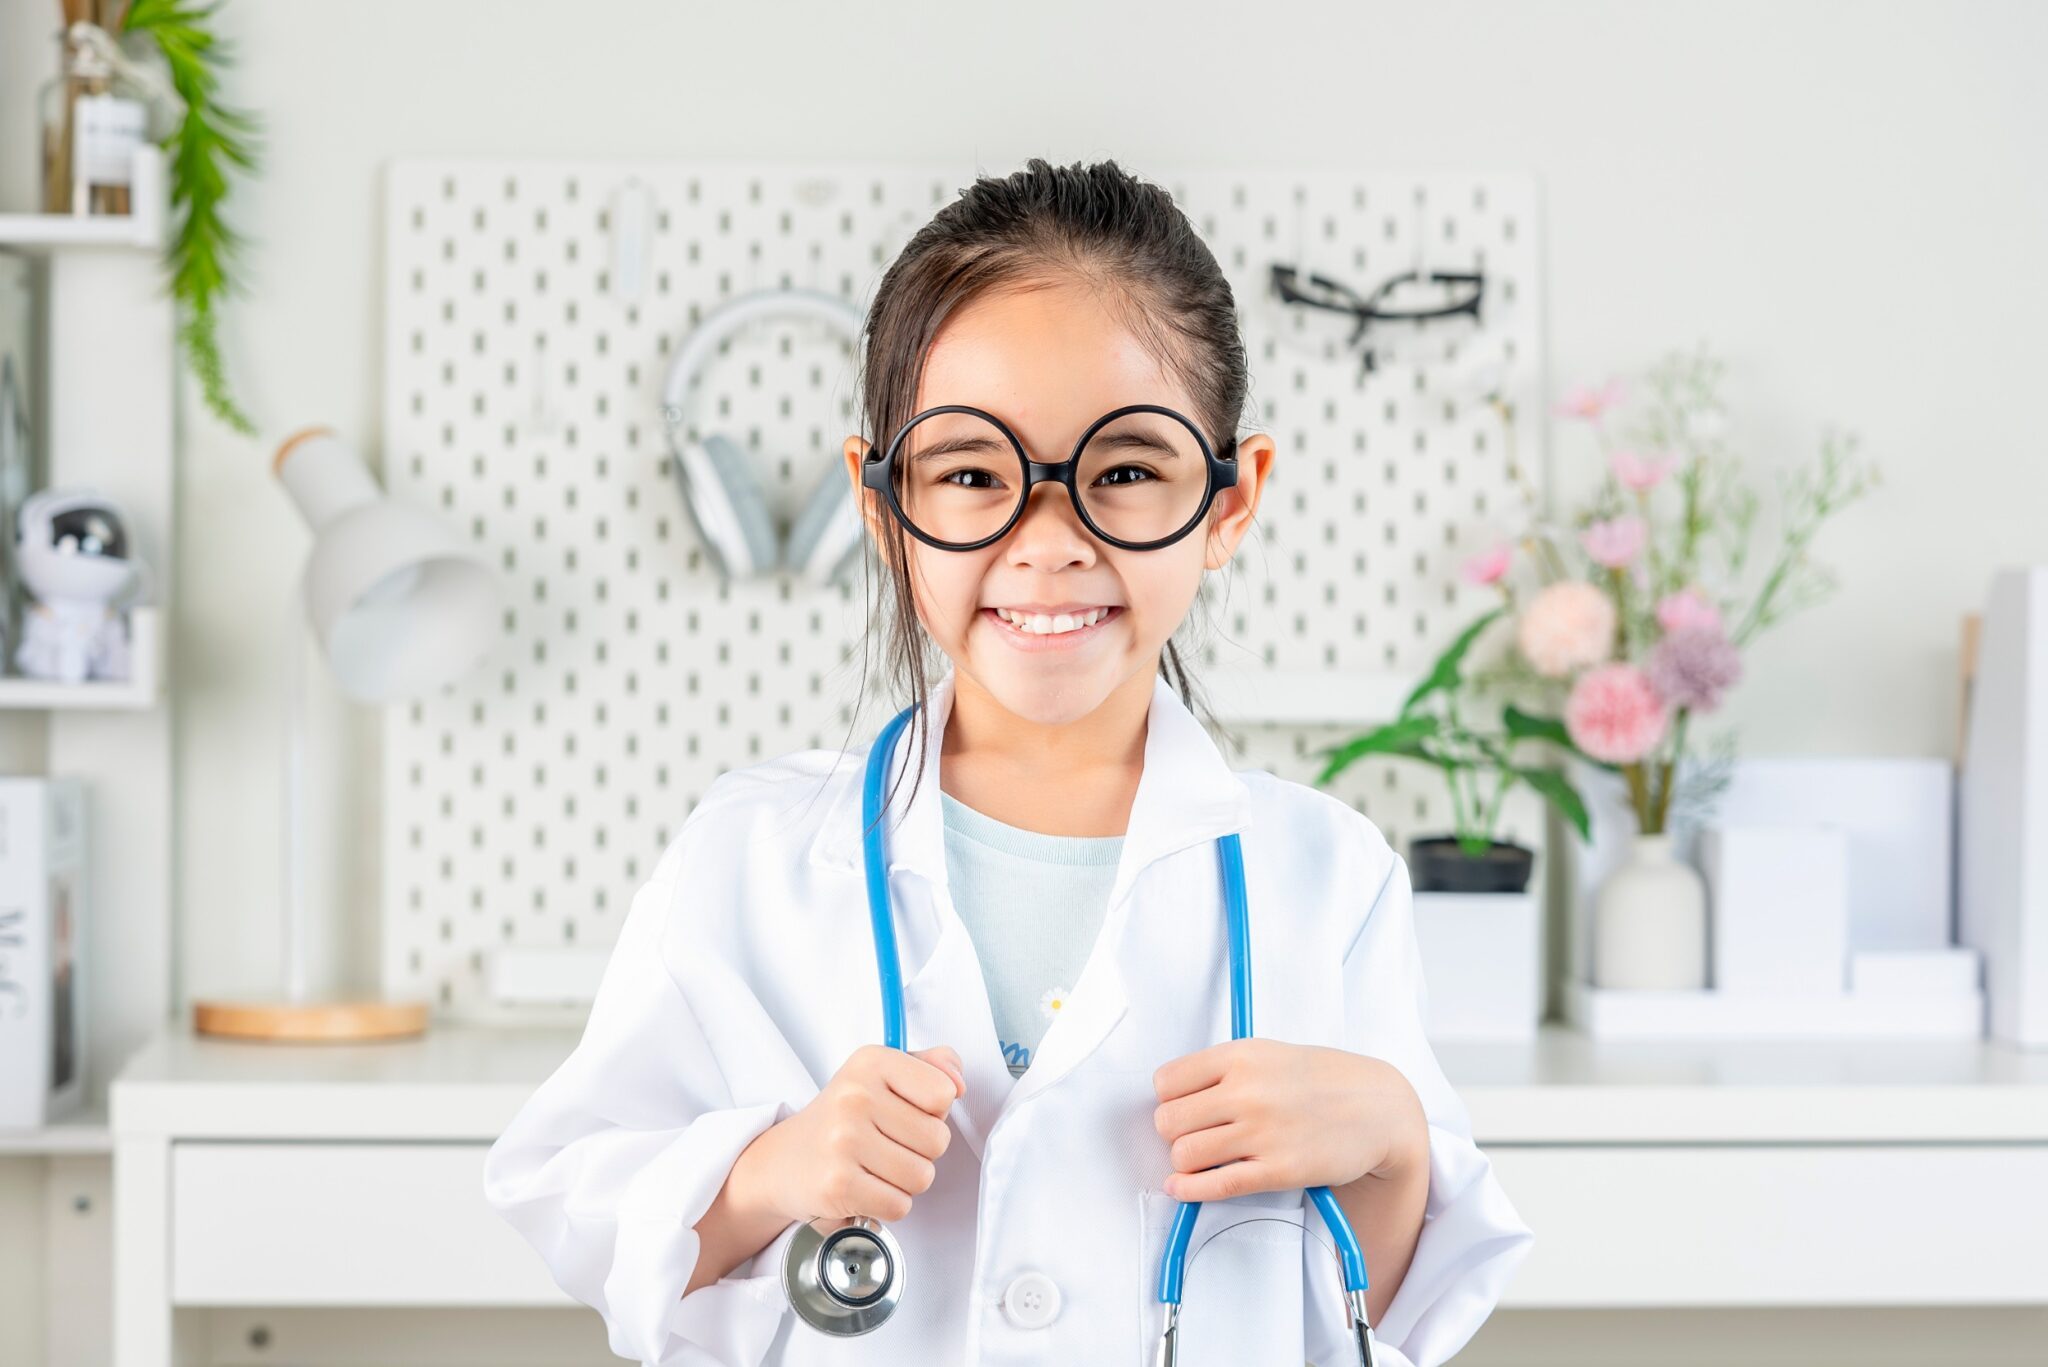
(1032, 1301)
(743, 977)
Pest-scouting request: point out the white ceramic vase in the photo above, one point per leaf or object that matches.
(1650, 923)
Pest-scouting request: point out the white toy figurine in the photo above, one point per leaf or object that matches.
(73, 556)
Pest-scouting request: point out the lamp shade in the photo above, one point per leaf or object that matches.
(400, 604)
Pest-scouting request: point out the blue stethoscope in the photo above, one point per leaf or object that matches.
(847, 1281)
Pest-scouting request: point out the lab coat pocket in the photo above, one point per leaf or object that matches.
(1241, 1287)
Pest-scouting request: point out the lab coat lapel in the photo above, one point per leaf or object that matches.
(1186, 795)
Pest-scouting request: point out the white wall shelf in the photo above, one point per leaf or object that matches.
(1309, 697)
(141, 230)
(106, 390)
(85, 1132)
(141, 689)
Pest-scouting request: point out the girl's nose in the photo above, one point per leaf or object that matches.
(1049, 527)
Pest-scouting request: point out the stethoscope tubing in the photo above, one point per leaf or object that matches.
(890, 973)
(887, 965)
(1231, 856)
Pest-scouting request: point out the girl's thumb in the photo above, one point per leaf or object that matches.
(943, 1057)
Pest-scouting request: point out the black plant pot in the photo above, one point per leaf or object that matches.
(1439, 864)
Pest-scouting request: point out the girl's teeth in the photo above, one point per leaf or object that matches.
(1042, 625)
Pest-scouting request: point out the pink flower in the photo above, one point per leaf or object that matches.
(1687, 608)
(1489, 567)
(1640, 474)
(1567, 626)
(1613, 714)
(1582, 401)
(1694, 667)
(1616, 542)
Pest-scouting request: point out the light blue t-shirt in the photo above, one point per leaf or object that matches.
(1033, 905)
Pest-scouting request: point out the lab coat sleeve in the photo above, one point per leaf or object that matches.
(608, 1166)
(1472, 1240)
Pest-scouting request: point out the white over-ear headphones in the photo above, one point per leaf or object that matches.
(721, 493)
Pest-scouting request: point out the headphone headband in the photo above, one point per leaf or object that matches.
(735, 314)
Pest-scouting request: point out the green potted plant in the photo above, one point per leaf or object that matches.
(1479, 766)
(1477, 922)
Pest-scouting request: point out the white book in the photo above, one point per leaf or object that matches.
(42, 933)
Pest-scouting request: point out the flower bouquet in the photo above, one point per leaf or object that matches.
(1642, 606)
(1648, 598)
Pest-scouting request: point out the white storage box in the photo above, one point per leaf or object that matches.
(42, 938)
(1618, 1014)
(1955, 972)
(1482, 963)
(1897, 812)
(1778, 908)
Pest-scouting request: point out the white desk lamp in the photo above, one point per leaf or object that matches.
(401, 606)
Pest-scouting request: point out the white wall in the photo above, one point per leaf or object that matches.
(1845, 198)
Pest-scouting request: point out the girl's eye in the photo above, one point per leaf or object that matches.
(1109, 476)
(953, 477)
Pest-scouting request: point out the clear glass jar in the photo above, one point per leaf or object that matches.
(93, 118)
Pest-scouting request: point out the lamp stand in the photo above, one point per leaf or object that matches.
(301, 1017)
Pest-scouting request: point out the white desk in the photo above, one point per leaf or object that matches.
(1847, 1173)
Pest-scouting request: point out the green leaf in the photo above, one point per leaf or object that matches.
(1445, 674)
(1525, 726)
(209, 140)
(1555, 787)
(1403, 737)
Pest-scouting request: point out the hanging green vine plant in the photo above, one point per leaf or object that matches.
(209, 143)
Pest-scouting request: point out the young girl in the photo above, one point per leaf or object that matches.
(1070, 1075)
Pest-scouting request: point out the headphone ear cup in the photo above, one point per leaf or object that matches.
(726, 504)
(827, 532)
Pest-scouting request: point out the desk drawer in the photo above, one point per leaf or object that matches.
(344, 1224)
(1678, 1225)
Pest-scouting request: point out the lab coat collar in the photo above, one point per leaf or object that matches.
(1187, 794)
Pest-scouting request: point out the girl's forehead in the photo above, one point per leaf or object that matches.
(1046, 361)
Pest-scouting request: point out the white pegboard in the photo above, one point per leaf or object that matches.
(523, 806)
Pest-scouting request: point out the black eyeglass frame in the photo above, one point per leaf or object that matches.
(1366, 309)
(1221, 472)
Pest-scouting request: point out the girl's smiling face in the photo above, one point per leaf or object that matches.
(1049, 361)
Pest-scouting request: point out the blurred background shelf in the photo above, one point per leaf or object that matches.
(104, 343)
(85, 1132)
(143, 229)
(141, 689)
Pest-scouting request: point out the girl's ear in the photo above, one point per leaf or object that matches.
(1231, 516)
(868, 501)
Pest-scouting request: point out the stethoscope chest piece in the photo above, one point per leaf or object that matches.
(843, 1281)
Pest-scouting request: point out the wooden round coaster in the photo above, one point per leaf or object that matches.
(303, 1021)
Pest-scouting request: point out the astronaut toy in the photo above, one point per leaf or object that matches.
(72, 554)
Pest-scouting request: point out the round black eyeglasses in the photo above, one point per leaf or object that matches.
(1141, 477)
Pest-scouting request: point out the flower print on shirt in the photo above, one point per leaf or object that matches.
(1052, 1001)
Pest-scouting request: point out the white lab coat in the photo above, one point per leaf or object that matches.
(744, 976)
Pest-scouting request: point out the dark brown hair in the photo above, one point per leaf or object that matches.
(1096, 224)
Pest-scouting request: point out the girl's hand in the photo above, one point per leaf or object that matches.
(866, 1143)
(1281, 1116)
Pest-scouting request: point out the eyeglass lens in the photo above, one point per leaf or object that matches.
(1140, 477)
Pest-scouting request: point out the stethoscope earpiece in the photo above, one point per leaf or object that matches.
(845, 1281)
